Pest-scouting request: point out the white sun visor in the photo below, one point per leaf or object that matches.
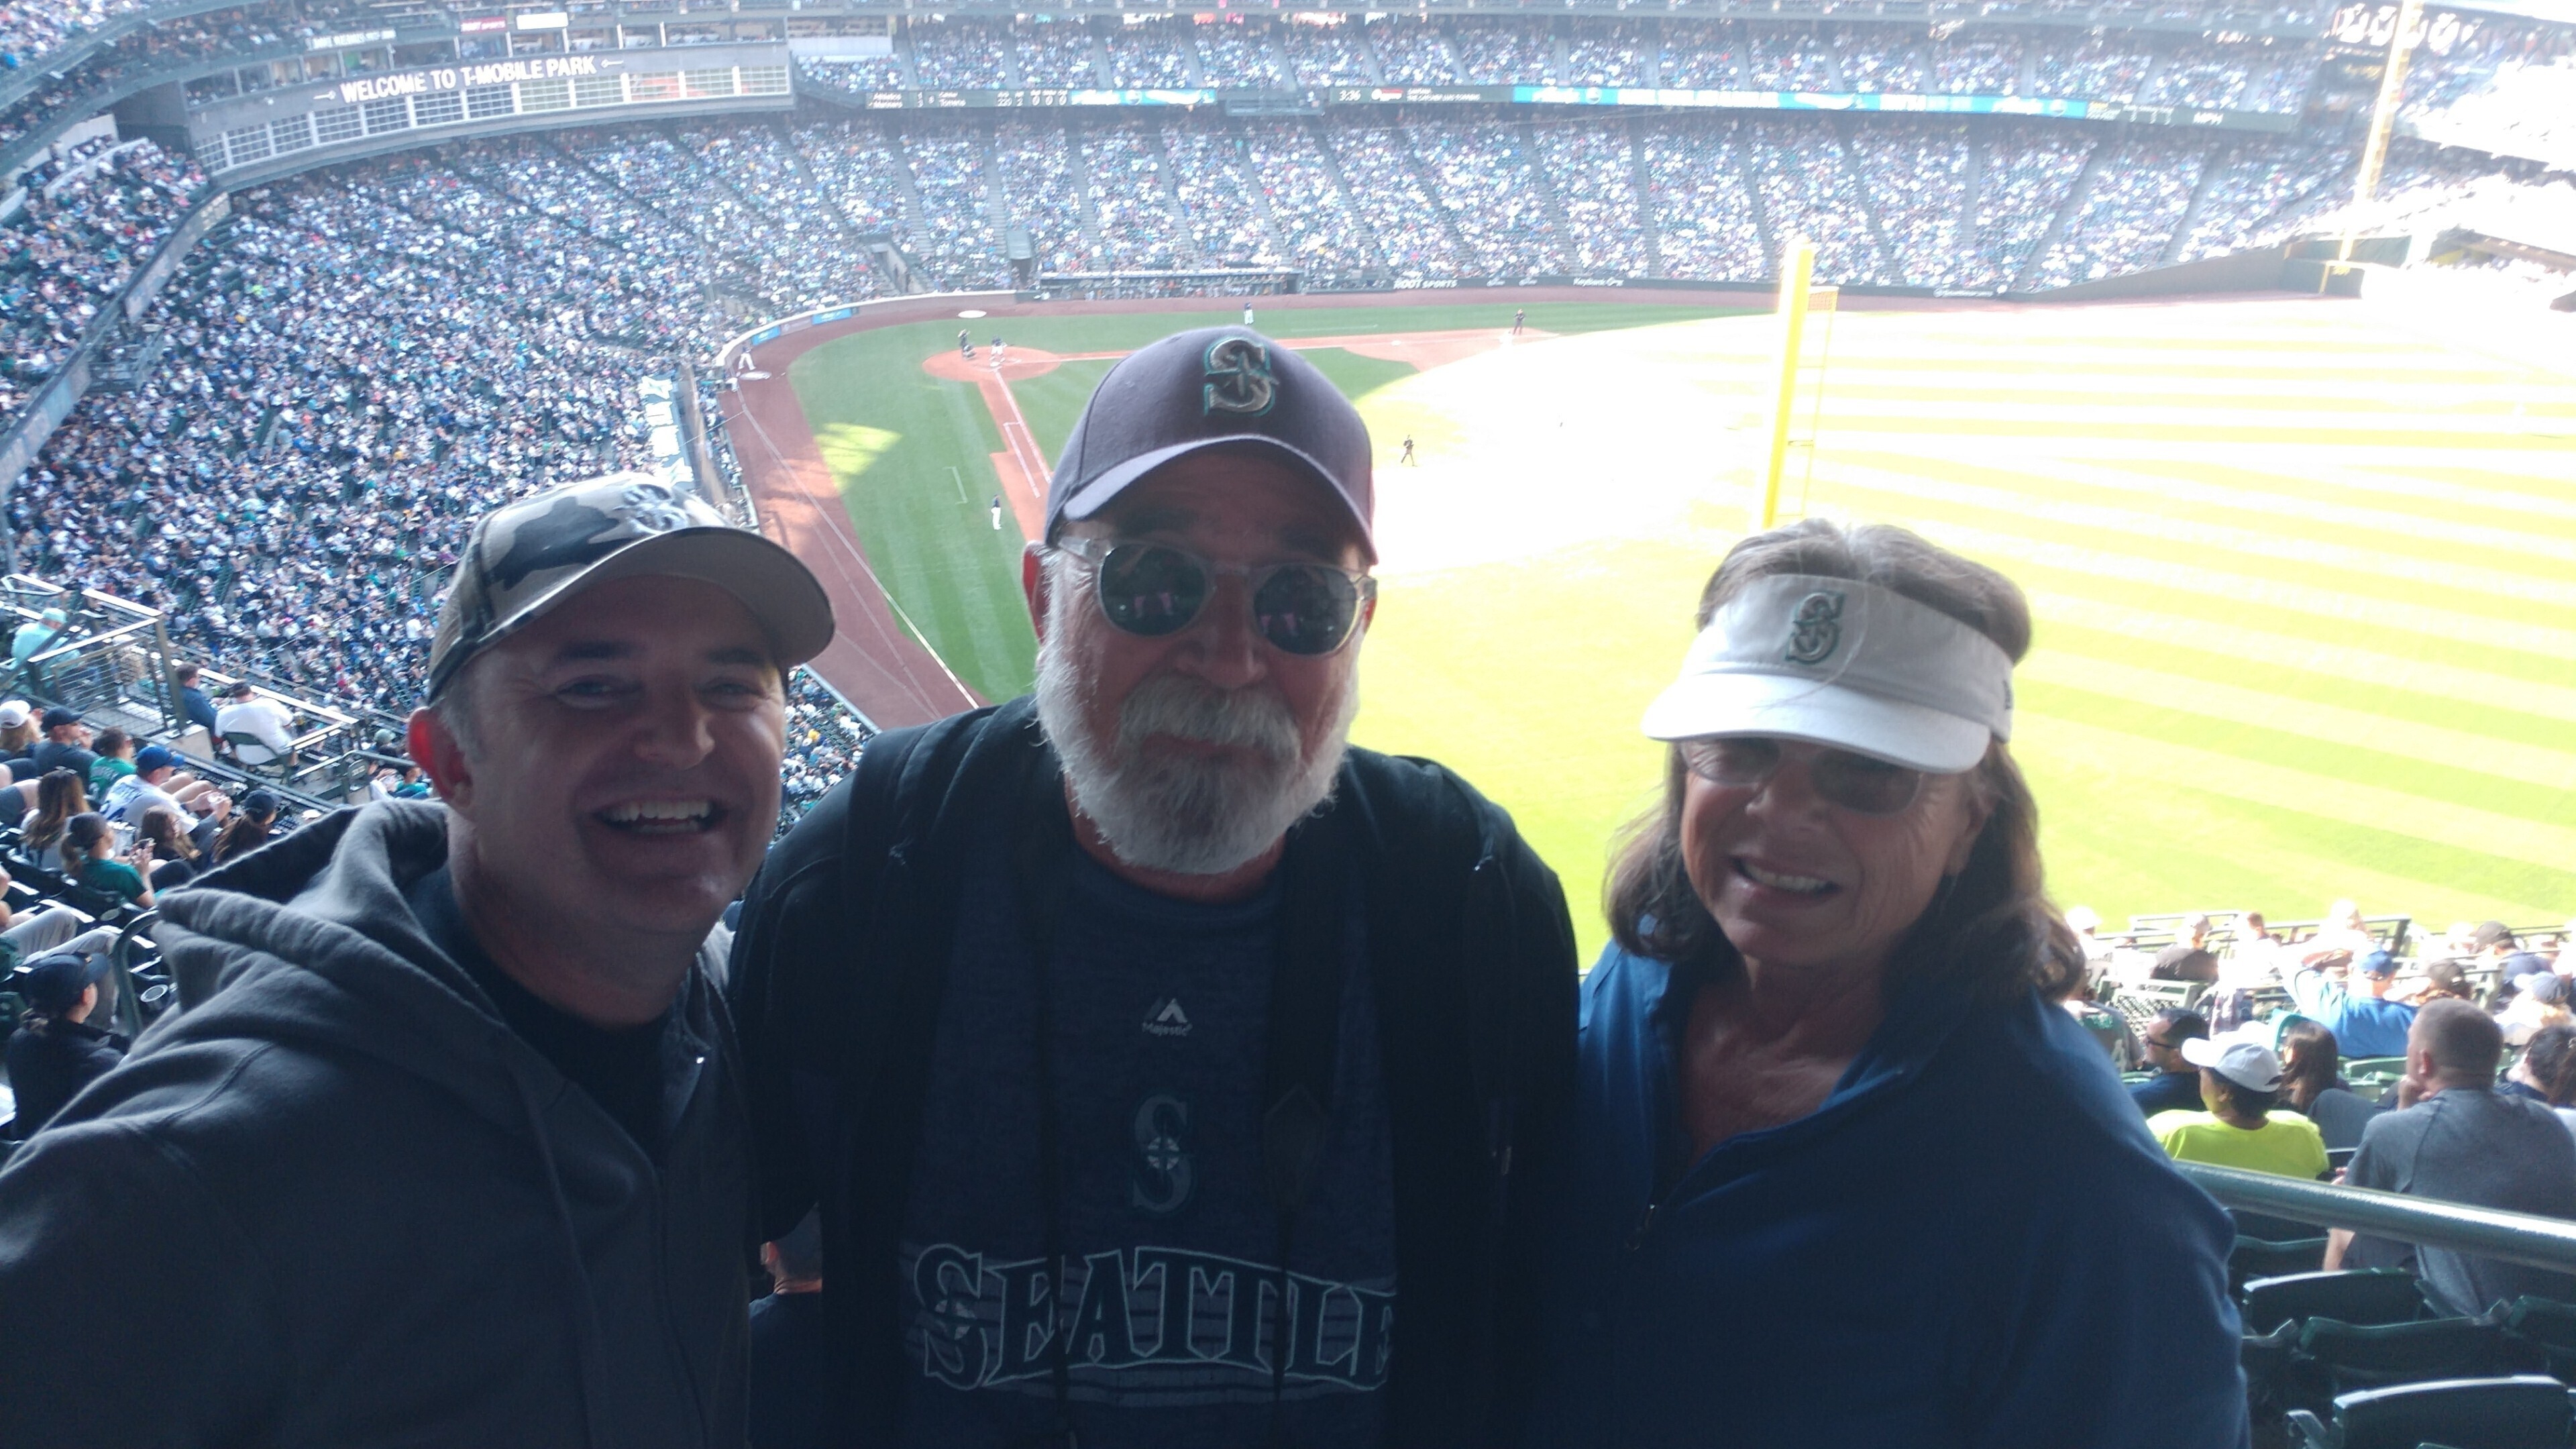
(1842, 663)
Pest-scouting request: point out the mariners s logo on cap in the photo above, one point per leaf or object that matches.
(1815, 630)
(1239, 379)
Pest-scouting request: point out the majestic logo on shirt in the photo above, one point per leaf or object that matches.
(1148, 1325)
(1165, 1018)
(1162, 1184)
(1816, 630)
(1239, 379)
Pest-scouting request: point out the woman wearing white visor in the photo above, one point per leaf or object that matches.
(1843, 1175)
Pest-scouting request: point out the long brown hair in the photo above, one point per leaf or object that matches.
(1986, 933)
(2551, 1060)
(2309, 1057)
(85, 838)
(248, 829)
(60, 795)
(169, 837)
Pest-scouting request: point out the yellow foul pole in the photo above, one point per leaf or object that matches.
(2383, 115)
(1797, 268)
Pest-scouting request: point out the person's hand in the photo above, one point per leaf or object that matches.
(140, 857)
(2410, 1090)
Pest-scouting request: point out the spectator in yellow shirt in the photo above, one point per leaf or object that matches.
(2240, 1083)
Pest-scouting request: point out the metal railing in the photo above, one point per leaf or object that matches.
(2534, 1242)
(113, 660)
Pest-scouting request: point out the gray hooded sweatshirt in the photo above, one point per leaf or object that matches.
(342, 1204)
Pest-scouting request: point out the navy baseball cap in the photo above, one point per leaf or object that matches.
(1215, 387)
(2378, 963)
(55, 982)
(151, 758)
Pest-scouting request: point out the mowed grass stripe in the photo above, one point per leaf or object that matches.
(2534, 782)
(2540, 488)
(2344, 800)
(2276, 639)
(2385, 590)
(2404, 692)
(2243, 518)
(2326, 433)
(2181, 847)
(2318, 615)
(2467, 401)
(2530, 522)
(2006, 370)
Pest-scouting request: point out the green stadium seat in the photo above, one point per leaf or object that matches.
(2520, 1412)
(2332, 1358)
(2363, 1296)
(2549, 1328)
(2254, 1258)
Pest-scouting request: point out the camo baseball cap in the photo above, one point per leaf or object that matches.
(531, 554)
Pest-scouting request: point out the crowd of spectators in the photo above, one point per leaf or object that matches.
(1620, 53)
(1385, 187)
(1240, 55)
(1483, 175)
(1916, 174)
(2125, 223)
(1329, 55)
(2497, 85)
(1057, 53)
(1809, 189)
(1322, 233)
(2019, 194)
(960, 54)
(87, 223)
(2235, 73)
(2254, 184)
(1217, 183)
(1705, 215)
(82, 89)
(2444, 1069)
(1131, 192)
(31, 28)
(1039, 187)
(1594, 171)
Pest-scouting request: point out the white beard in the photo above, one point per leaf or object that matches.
(1180, 813)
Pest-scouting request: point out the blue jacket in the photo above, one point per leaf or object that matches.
(1972, 1242)
(2363, 1026)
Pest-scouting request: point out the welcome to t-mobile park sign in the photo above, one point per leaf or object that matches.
(448, 78)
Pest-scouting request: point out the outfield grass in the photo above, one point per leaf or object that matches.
(2303, 583)
(912, 454)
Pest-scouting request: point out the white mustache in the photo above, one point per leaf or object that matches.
(1185, 709)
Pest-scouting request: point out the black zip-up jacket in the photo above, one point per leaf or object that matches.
(342, 1204)
(50, 1060)
(838, 973)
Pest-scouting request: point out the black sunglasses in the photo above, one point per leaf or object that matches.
(1155, 589)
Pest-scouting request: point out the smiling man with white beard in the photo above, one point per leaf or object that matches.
(1166, 1070)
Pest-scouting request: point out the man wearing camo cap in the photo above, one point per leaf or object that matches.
(452, 1153)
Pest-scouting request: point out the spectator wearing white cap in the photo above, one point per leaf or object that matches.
(19, 735)
(2245, 1124)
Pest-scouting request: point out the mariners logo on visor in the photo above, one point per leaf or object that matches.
(1816, 630)
(1239, 379)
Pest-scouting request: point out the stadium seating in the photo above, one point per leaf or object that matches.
(2331, 1358)
(2365, 1296)
(2519, 1412)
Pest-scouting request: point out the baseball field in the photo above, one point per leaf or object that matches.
(2305, 579)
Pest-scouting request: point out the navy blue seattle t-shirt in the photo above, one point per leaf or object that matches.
(1171, 1283)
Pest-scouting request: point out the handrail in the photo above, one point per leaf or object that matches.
(2534, 1242)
